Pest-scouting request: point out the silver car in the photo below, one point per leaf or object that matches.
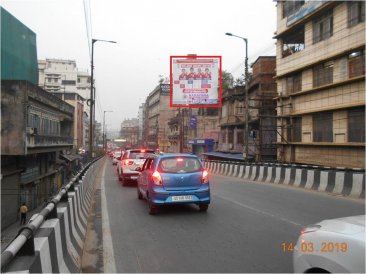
(336, 245)
(131, 159)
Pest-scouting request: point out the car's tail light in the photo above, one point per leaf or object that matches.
(128, 162)
(179, 159)
(156, 177)
(204, 177)
(143, 150)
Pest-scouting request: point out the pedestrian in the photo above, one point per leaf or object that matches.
(23, 214)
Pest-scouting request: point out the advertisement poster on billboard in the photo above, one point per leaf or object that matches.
(195, 81)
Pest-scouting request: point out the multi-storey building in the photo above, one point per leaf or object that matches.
(57, 75)
(194, 130)
(130, 132)
(157, 115)
(141, 119)
(62, 78)
(321, 82)
(36, 127)
(77, 102)
(262, 121)
(231, 120)
(262, 90)
(86, 122)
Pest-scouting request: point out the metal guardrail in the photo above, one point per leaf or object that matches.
(23, 242)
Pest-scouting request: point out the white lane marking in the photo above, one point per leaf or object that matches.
(108, 255)
(257, 210)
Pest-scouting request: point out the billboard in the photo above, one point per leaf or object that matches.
(195, 81)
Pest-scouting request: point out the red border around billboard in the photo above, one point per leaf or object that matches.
(192, 105)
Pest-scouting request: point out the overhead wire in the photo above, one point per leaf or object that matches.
(87, 24)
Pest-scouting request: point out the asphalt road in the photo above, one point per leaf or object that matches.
(243, 230)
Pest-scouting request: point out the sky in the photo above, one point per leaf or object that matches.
(147, 34)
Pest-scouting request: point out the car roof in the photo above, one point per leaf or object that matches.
(170, 155)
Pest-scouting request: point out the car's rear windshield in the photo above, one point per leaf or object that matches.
(179, 165)
(139, 155)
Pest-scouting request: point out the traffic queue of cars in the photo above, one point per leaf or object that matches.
(162, 179)
(336, 245)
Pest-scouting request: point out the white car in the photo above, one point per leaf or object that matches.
(336, 245)
(131, 159)
(116, 157)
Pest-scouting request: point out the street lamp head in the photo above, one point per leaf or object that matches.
(229, 34)
(108, 41)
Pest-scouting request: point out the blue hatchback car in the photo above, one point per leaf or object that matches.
(173, 179)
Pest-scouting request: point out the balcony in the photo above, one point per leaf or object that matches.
(231, 120)
(34, 141)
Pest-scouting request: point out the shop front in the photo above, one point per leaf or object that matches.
(200, 146)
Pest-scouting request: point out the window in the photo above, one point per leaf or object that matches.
(356, 125)
(231, 137)
(293, 42)
(296, 129)
(356, 12)
(179, 165)
(212, 111)
(323, 74)
(240, 137)
(323, 127)
(293, 83)
(224, 111)
(223, 137)
(78, 79)
(69, 96)
(290, 7)
(147, 164)
(240, 108)
(356, 64)
(68, 82)
(323, 27)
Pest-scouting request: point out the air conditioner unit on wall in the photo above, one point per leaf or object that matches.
(32, 130)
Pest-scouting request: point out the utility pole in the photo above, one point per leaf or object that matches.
(246, 78)
(104, 131)
(92, 98)
(180, 131)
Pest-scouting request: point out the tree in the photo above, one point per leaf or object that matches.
(227, 80)
(239, 81)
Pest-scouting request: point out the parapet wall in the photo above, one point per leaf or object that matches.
(58, 243)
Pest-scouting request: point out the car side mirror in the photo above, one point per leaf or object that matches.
(138, 169)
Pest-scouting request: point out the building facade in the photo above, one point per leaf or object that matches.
(61, 76)
(36, 128)
(194, 130)
(321, 82)
(141, 119)
(77, 102)
(157, 115)
(231, 120)
(130, 133)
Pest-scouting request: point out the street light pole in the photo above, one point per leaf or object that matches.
(104, 132)
(246, 78)
(92, 98)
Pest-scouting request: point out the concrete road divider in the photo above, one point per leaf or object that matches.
(336, 181)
